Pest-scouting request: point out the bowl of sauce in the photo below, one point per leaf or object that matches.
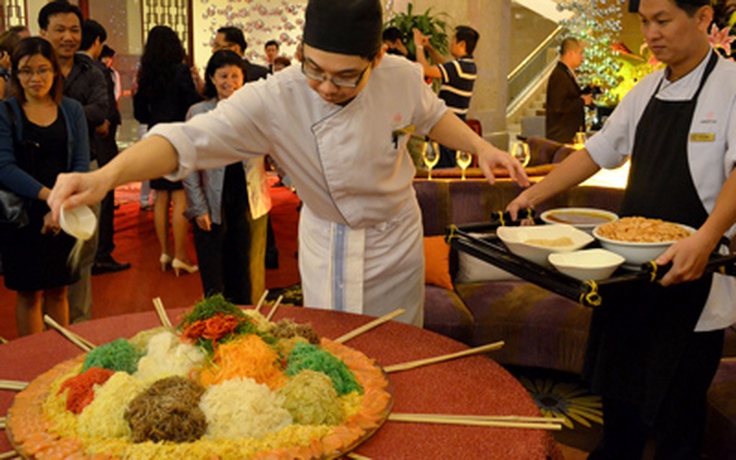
(585, 219)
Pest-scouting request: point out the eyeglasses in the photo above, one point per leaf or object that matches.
(43, 72)
(337, 81)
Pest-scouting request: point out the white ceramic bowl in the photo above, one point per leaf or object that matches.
(636, 253)
(587, 264)
(582, 218)
(516, 239)
(79, 222)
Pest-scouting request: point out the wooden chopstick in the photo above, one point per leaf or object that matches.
(11, 454)
(161, 312)
(369, 326)
(442, 358)
(3, 340)
(274, 308)
(3, 422)
(260, 302)
(503, 422)
(355, 456)
(13, 385)
(74, 338)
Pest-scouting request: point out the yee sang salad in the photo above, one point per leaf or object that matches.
(226, 383)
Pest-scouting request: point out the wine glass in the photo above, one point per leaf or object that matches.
(431, 156)
(520, 151)
(463, 161)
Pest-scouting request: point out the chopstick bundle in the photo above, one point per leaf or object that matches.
(161, 312)
(275, 307)
(13, 385)
(82, 343)
(438, 359)
(503, 421)
(11, 454)
(260, 302)
(3, 422)
(369, 326)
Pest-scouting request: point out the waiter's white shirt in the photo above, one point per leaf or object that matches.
(710, 162)
(360, 229)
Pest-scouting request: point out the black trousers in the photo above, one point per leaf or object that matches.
(680, 424)
(107, 151)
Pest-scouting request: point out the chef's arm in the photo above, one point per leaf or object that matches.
(690, 255)
(574, 169)
(454, 133)
(150, 158)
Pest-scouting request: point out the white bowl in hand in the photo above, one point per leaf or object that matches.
(588, 264)
(537, 242)
(636, 253)
(79, 222)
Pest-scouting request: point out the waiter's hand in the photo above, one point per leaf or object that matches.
(689, 257)
(490, 157)
(519, 203)
(75, 189)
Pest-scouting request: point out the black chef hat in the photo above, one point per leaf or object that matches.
(344, 26)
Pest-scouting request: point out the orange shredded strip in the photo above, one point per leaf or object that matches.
(212, 328)
(248, 356)
(81, 388)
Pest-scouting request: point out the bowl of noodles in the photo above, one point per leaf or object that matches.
(639, 239)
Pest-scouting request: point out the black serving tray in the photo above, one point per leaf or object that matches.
(491, 249)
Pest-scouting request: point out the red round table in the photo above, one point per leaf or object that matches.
(474, 385)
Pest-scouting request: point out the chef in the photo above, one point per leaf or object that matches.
(338, 125)
(653, 349)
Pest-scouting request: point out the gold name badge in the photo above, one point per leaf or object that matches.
(702, 137)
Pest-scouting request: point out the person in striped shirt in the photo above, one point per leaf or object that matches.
(457, 76)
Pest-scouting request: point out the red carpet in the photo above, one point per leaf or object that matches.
(133, 290)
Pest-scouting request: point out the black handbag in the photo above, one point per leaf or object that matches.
(13, 207)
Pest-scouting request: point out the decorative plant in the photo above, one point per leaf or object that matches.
(723, 30)
(430, 25)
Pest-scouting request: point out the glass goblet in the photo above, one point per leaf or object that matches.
(520, 151)
(431, 156)
(463, 161)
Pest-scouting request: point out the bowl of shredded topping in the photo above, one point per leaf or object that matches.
(535, 243)
(640, 239)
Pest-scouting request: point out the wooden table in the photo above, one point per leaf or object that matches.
(473, 385)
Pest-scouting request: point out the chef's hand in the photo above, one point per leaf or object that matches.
(75, 189)
(203, 222)
(490, 157)
(689, 257)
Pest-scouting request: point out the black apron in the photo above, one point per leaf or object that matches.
(639, 333)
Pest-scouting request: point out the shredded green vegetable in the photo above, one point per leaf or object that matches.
(311, 399)
(118, 355)
(307, 356)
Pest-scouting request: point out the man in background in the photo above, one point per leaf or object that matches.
(61, 24)
(394, 40)
(93, 41)
(232, 38)
(457, 76)
(565, 107)
(271, 48)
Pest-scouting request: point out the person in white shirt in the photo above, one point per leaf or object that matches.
(654, 348)
(338, 125)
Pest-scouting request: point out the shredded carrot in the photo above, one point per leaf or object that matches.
(81, 388)
(248, 356)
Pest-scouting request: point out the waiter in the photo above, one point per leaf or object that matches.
(338, 125)
(653, 349)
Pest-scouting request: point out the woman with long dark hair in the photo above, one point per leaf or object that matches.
(166, 90)
(50, 138)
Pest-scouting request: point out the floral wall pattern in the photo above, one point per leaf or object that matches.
(261, 20)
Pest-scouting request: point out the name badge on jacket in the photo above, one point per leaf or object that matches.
(702, 137)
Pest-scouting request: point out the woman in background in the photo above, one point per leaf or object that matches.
(50, 138)
(165, 93)
(229, 205)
